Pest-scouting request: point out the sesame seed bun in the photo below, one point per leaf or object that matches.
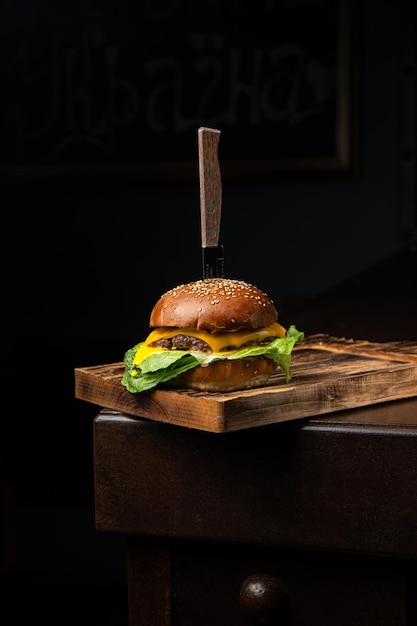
(214, 335)
(217, 304)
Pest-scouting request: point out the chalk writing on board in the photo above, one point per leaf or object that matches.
(93, 87)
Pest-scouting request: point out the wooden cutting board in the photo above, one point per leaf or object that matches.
(328, 374)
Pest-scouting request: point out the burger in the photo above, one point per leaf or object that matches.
(216, 334)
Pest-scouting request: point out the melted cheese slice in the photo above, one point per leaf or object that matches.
(216, 341)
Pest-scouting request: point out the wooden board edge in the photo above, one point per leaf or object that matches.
(150, 405)
(230, 413)
(239, 414)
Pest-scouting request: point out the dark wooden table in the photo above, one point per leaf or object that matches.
(310, 522)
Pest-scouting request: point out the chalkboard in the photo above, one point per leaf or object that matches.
(119, 89)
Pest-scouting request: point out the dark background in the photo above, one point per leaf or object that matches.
(123, 85)
(84, 261)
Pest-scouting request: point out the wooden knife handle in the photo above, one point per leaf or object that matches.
(210, 186)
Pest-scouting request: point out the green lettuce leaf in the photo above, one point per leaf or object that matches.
(164, 366)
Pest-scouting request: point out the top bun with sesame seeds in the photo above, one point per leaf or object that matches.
(217, 334)
(216, 304)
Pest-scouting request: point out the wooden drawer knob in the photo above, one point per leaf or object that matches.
(264, 600)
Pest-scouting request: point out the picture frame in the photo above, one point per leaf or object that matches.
(119, 96)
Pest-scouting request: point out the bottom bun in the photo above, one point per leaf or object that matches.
(232, 375)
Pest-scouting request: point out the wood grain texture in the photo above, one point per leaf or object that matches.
(210, 186)
(328, 375)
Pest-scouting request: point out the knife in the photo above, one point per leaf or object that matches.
(210, 202)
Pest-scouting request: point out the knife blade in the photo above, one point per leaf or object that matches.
(210, 202)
